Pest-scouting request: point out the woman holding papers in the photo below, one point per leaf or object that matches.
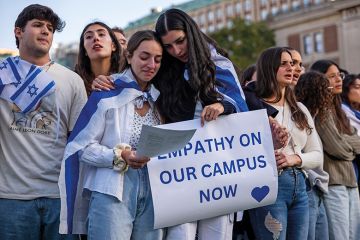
(99, 54)
(104, 184)
(288, 217)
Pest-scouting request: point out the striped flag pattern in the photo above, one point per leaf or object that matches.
(23, 83)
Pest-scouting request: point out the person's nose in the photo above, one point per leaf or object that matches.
(289, 67)
(45, 30)
(96, 38)
(177, 50)
(151, 63)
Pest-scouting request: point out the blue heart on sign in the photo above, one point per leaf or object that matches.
(260, 193)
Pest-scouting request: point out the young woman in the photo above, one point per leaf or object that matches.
(200, 76)
(298, 65)
(288, 217)
(341, 144)
(318, 179)
(113, 199)
(99, 54)
(309, 85)
(196, 81)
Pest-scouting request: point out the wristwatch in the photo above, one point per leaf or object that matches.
(119, 163)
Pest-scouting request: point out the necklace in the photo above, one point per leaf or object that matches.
(47, 65)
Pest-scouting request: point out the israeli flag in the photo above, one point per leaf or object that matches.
(230, 86)
(73, 206)
(23, 83)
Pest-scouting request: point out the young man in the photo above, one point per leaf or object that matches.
(39, 103)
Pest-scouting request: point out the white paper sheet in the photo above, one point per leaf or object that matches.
(155, 141)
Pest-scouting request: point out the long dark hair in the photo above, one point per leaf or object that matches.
(83, 66)
(178, 97)
(246, 75)
(267, 85)
(313, 84)
(341, 120)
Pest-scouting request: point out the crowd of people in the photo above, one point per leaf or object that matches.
(69, 167)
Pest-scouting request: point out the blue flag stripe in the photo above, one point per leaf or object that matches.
(39, 96)
(71, 176)
(13, 68)
(25, 84)
(1, 86)
(230, 87)
(30, 70)
(92, 105)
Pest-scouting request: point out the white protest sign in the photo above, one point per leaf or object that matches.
(228, 165)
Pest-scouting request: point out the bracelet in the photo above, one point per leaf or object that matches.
(118, 162)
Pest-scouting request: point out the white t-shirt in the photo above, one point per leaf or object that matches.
(32, 144)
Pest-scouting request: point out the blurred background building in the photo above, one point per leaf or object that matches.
(317, 28)
(66, 54)
(327, 29)
(4, 53)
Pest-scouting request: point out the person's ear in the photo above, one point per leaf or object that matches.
(17, 32)
(113, 47)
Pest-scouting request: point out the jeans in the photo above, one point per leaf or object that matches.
(318, 223)
(343, 210)
(288, 217)
(133, 218)
(216, 228)
(31, 219)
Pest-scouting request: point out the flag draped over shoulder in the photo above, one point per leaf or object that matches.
(92, 117)
(23, 83)
(226, 75)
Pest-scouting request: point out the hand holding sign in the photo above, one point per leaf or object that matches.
(228, 165)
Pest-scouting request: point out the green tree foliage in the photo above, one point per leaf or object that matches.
(245, 41)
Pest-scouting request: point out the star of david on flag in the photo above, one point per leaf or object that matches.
(23, 83)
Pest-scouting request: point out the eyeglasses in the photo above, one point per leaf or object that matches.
(335, 75)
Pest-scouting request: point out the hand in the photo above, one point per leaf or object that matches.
(134, 161)
(102, 82)
(284, 160)
(211, 112)
(279, 134)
